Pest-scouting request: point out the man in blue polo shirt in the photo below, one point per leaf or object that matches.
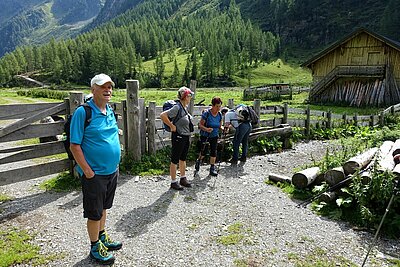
(97, 152)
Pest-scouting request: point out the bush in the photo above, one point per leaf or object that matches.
(43, 93)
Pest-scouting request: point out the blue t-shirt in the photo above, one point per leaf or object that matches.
(99, 140)
(211, 121)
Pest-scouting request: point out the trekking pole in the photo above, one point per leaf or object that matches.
(199, 158)
(396, 191)
(329, 189)
(222, 149)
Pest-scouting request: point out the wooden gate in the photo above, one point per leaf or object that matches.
(21, 122)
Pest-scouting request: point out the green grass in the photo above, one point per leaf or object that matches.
(235, 234)
(16, 248)
(318, 258)
(10, 96)
(265, 73)
(4, 198)
(64, 182)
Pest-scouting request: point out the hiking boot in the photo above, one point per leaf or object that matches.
(109, 243)
(184, 182)
(243, 159)
(197, 166)
(213, 172)
(176, 186)
(233, 161)
(99, 253)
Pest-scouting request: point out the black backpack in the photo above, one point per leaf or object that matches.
(246, 114)
(253, 117)
(67, 126)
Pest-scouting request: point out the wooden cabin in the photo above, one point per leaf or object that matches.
(362, 69)
(268, 92)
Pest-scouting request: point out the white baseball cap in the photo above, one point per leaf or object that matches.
(101, 79)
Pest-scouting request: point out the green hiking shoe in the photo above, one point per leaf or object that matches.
(109, 243)
(100, 254)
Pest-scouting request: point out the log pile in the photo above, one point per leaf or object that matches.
(380, 158)
(360, 92)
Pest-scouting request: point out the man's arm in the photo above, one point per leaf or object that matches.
(80, 159)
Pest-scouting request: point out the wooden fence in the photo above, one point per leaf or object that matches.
(140, 130)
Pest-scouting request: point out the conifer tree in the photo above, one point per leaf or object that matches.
(159, 68)
(175, 77)
(193, 75)
(186, 73)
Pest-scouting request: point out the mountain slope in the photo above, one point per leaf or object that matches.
(36, 22)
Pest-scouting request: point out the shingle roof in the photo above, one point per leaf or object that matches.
(388, 41)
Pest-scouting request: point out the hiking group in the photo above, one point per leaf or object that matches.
(92, 132)
(215, 122)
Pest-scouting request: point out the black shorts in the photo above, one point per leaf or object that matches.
(180, 147)
(213, 145)
(98, 194)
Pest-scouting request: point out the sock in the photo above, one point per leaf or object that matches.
(101, 232)
(173, 181)
(92, 244)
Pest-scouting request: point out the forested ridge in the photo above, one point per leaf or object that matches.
(220, 39)
(224, 41)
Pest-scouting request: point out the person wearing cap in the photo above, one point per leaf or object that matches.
(210, 124)
(97, 152)
(180, 136)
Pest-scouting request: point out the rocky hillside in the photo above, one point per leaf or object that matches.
(36, 21)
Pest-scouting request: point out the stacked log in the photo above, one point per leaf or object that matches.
(305, 177)
(385, 158)
(279, 178)
(361, 92)
(359, 162)
(339, 177)
(335, 176)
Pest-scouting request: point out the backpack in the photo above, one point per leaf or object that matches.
(67, 126)
(167, 106)
(246, 114)
(254, 119)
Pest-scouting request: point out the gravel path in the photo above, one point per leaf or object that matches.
(160, 227)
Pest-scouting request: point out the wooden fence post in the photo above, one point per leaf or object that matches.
(344, 117)
(392, 111)
(329, 119)
(142, 117)
(257, 104)
(125, 123)
(308, 121)
(382, 119)
(132, 96)
(371, 121)
(285, 113)
(355, 119)
(193, 84)
(151, 128)
(230, 103)
(75, 99)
